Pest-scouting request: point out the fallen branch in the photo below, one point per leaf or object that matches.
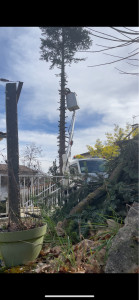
(99, 192)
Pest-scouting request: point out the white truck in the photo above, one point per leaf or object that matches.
(90, 166)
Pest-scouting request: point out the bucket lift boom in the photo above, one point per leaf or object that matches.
(71, 106)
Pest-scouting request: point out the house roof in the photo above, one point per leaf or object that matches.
(23, 170)
(86, 154)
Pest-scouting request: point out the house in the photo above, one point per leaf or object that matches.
(85, 155)
(25, 174)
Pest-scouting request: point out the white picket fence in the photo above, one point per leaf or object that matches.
(36, 190)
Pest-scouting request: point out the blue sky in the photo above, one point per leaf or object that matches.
(105, 96)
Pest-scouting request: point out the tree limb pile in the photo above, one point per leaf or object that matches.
(99, 192)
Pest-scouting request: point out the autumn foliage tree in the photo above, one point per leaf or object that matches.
(110, 148)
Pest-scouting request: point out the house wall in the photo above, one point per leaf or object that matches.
(3, 193)
(3, 187)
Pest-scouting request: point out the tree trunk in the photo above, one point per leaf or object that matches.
(62, 109)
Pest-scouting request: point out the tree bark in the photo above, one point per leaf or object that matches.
(62, 109)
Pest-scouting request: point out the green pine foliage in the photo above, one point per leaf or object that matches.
(63, 41)
(120, 194)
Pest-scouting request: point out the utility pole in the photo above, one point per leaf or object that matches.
(12, 96)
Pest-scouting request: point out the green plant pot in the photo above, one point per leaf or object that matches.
(20, 247)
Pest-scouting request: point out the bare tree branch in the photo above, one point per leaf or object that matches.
(121, 56)
(115, 39)
(104, 38)
(131, 37)
(130, 29)
(103, 33)
(122, 31)
(108, 48)
(128, 73)
(133, 50)
(132, 64)
(112, 62)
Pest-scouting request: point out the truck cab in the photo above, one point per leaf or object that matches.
(90, 166)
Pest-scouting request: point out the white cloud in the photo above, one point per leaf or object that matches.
(100, 90)
(2, 122)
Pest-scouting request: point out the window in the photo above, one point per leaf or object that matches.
(92, 166)
(4, 180)
(74, 169)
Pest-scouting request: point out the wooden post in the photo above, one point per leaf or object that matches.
(0, 186)
(12, 153)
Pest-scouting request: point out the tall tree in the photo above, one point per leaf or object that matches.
(59, 46)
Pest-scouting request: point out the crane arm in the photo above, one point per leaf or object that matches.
(67, 155)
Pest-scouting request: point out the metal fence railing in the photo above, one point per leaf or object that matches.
(34, 191)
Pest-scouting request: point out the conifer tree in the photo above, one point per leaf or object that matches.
(59, 46)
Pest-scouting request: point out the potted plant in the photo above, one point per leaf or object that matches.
(21, 239)
(21, 244)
